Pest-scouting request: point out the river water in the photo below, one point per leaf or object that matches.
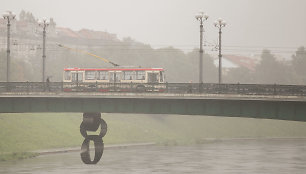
(279, 156)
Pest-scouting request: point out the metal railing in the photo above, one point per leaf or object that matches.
(180, 88)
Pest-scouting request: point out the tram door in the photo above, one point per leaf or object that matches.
(77, 76)
(152, 78)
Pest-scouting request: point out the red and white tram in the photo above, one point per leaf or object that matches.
(114, 79)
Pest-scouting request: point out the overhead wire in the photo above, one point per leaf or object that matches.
(208, 47)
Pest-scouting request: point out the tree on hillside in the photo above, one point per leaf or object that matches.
(210, 72)
(299, 64)
(2, 65)
(209, 69)
(174, 62)
(271, 71)
(20, 69)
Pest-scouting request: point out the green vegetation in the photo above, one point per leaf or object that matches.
(23, 133)
(17, 156)
(270, 70)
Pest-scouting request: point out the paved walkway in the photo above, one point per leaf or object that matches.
(78, 149)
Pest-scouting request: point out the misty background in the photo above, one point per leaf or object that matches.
(262, 43)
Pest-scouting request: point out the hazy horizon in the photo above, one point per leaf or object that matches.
(252, 24)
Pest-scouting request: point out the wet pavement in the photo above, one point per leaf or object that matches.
(279, 156)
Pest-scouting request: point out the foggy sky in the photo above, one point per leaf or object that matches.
(279, 25)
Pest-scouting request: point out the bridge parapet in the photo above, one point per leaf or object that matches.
(170, 88)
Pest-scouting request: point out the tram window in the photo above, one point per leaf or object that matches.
(161, 77)
(90, 75)
(152, 77)
(118, 76)
(129, 75)
(67, 75)
(74, 77)
(102, 75)
(80, 76)
(111, 76)
(141, 75)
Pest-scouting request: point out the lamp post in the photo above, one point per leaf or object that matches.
(220, 23)
(8, 16)
(44, 25)
(201, 17)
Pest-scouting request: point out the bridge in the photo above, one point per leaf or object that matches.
(282, 102)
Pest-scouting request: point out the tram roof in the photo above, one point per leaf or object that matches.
(113, 69)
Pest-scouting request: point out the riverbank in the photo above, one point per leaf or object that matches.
(21, 134)
(136, 145)
(254, 156)
(78, 149)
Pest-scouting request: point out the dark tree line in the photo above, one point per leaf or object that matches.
(271, 71)
(179, 66)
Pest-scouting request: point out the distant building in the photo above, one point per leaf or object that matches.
(28, 26)
(52, 28)
(26, 36)
(85, 34)
(235, 61)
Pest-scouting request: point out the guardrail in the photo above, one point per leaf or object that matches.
(181, 88)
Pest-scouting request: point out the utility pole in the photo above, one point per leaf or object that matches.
(44, 25)
(8, 16)
(201, 17)
(220, 23)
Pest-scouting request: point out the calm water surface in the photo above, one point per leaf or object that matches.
(228, 156)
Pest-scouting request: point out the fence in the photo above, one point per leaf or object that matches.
(181, 88)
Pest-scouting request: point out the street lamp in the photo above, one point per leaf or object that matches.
(201, 17)
(8, 16)
(44, 25)
(220, 23)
